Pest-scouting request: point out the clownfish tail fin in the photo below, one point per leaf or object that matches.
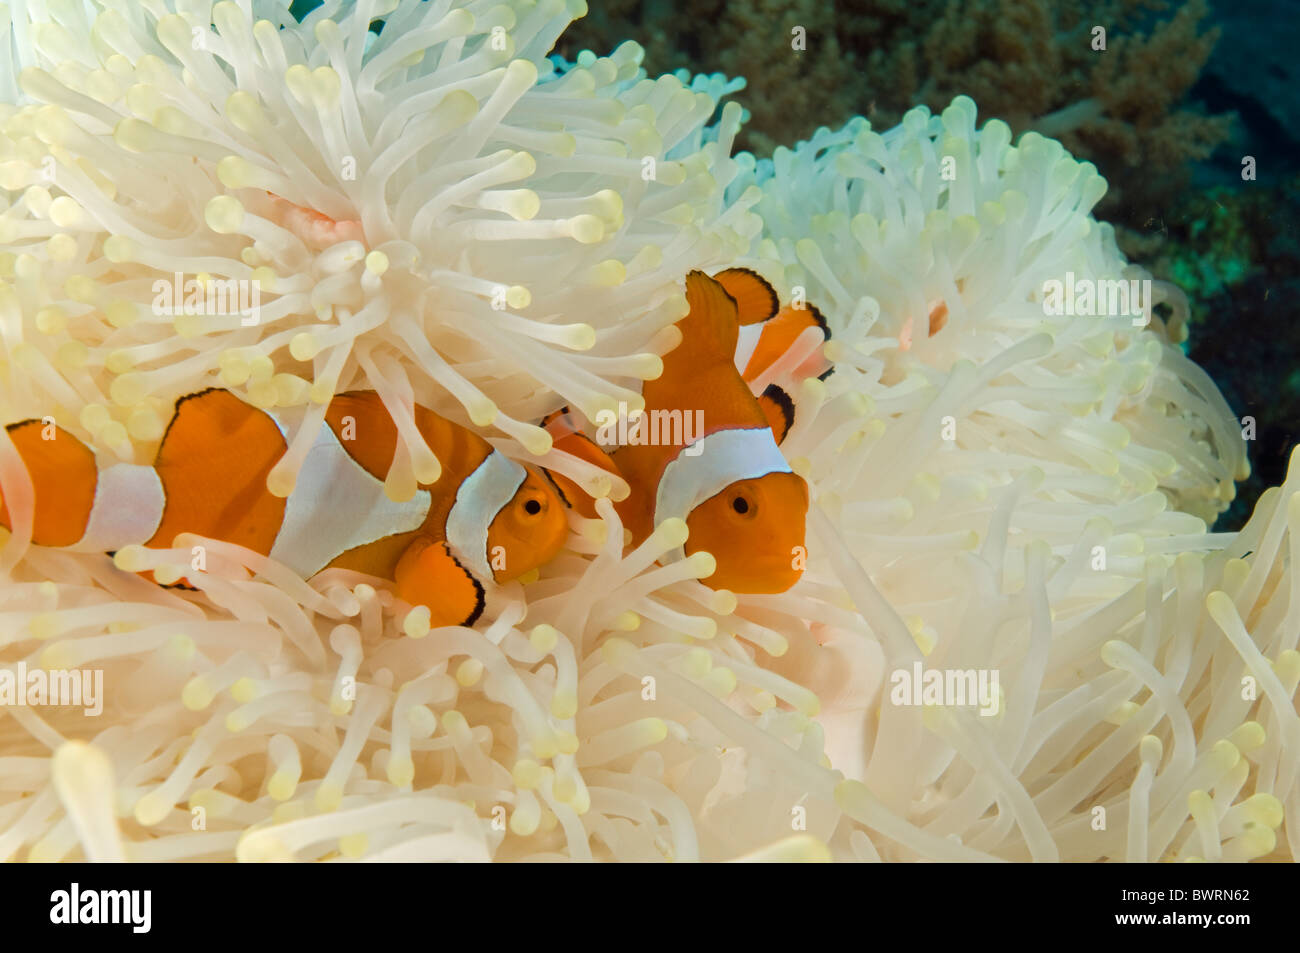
(64, 476)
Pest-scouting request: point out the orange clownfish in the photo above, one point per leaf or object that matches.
(738, 496)
(209, 478)
(768, 333)
(567, 437)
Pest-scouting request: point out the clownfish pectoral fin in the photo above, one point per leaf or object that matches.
(64, 477)
(778, 408)
(429, 575)
(567, 438)
(756, 300)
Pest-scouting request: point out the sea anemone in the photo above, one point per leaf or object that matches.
(424, 212)
(613, 708)
(1025, 492)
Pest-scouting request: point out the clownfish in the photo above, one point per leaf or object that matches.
(739, 498)
(767, 333)
(567, 437)
(486, 518)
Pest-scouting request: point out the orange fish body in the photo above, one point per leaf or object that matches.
(487, 517)
(737, 494)
(733, 488)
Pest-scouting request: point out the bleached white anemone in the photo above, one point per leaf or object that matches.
(1023, 492)
(936, 218)
(432, 212)
(611, 709)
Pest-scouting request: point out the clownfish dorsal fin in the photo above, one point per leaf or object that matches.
(64, 476)
(756, 299)
(201, 417)
(365, 429)
(213, 463)
(709, 333)
(429, 575)
(779, 410)
(778, 336)
(710, 327)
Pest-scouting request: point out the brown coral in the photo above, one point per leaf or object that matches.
(1029, 62)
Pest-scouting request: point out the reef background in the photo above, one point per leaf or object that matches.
(1167, 112)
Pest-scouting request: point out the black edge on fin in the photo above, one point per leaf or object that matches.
(778, 396)
(177, 409)
(767, 285)
(721, 287)
(818, 317)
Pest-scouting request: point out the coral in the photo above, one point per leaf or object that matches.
(1241, 247)
(793, 90)
(1219, 249)
(1028, 62)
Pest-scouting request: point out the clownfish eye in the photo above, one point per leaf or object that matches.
(742, 505)
(533, 507)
